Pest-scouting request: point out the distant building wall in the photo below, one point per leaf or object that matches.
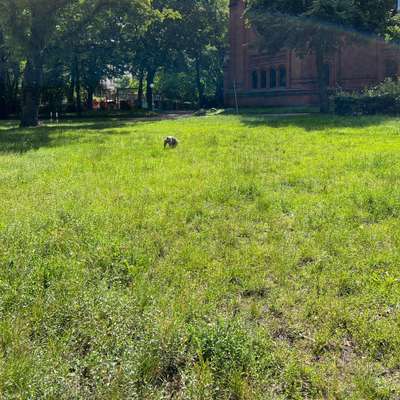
(283, 79)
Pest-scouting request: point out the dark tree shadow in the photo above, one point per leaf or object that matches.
(314, 122)
(21, 140)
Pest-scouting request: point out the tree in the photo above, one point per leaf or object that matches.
(52, 50)
(4, 75)
(34, 26)
(205, 26)
(31, 23)
(10, 74)
(91, 43)
(183, 37)
(393, 29)
(158, 47)
(317, 27)
(3, 66)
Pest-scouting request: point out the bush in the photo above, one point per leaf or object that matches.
(386, 104)
(381, 99)
(346, 104)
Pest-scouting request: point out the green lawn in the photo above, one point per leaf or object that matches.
(259, 260)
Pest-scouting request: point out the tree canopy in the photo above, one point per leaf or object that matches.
(60, 51)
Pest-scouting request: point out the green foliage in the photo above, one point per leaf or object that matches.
(381, 99)
(393, 29)
(176, 86)
(10, 73)
(83, 42)
(188, 44)
(258, 260)
(346, 104)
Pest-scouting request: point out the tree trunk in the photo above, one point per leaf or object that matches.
(71, 91)
(322, 84)
(3, 94)
(199, 83)
(219, 91)
(31, 92)
(140, 89)
(78, 87)
(12, 98)
(149, 90)
(89, 101)
(33, 74)
(3, 86)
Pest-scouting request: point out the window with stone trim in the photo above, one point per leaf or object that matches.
(272, 78)
(327, 74)
(263, 79)
(254, 79)
(282, 76)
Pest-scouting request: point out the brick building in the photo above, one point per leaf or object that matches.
(283, 79)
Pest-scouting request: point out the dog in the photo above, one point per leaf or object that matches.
(171, 142)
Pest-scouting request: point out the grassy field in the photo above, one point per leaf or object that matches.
(259, 260)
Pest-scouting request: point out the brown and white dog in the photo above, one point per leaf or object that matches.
(171, 142)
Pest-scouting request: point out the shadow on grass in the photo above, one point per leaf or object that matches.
(21, 140)
(310, 123)
(272, 110)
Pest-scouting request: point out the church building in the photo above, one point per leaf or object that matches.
(260, 79)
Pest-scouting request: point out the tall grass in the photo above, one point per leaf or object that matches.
(258, 260)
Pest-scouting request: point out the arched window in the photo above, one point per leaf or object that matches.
(327, 74)
(282, 76)
(272, 78)
(254, 79)
(263, 79)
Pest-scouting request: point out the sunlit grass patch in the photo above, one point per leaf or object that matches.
(257, 260)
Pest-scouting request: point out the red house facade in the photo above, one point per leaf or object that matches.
(283, 79)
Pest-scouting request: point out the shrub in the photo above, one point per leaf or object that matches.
(381, 99)
(346, 104)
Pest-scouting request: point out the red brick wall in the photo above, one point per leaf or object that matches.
(352, 68)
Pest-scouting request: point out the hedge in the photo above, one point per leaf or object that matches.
(381, 99)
